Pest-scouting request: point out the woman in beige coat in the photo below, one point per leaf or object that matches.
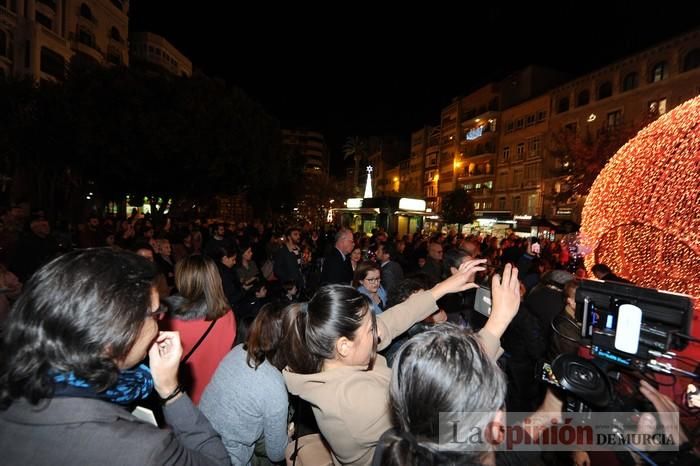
(332, 362)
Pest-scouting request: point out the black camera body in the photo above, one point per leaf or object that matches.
(627, 327)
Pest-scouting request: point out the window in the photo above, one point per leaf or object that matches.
(118, 4)
(571, 127)
(431, 160)
(563, 105)
(614, 119)
(533, 147)
(509, 127)
(477, 205)
(431, 191)
(630, 82)
(502, 179)
(657, 106)
(532, 204)
(43, 20)
(520, 151)
(583, 98)
(531, 119)
(532, 172)
(86, 12)
(114, 34)
(519, 123)
(52, 63)
(541, 115)
(506, 154)
(85, 37)
(487, 205)
(691, 60)
(659, 72)
(501, 203)
(605, 90)
(516, 205)
(517, 177)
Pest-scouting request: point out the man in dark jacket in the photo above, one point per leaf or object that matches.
(287, 259)
(336, 266)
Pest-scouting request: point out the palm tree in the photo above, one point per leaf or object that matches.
(355, 147)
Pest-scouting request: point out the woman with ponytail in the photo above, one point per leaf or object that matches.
(445, 388)
(331, 350)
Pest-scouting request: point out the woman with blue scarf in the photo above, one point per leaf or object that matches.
(367, 279)
(71, 363)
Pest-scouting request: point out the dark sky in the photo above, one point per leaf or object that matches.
(345, 69)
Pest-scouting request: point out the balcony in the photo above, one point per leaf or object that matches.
(469, 118)
(479, 150)
(88, 50)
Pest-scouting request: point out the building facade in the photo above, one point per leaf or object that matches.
(38, 38)
(148, 49)
(524, 129)
(617, 99)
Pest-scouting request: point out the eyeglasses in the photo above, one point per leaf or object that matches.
(372, 280)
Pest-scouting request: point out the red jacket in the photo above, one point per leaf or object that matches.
(204, 361)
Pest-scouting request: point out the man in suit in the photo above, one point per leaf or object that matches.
(392, 273)
(336, 266)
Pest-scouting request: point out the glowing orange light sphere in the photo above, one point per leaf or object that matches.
(642, 216)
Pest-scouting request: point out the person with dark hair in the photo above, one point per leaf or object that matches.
(246, 269)
(287, 259)
(367, 281)
(458, 306)
(403, 291)
(225, 259)
(203, 316)
(392, 273)
(71, 363)
(331, 344)
(603, 272)
(448, 372)
(246, 400)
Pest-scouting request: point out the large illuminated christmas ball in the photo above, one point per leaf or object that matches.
(642, 216)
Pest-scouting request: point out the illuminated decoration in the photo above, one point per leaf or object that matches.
(406, 203)
(591, 118)
(475, 133)
(354, 203)
(642, 216)
(368, 185)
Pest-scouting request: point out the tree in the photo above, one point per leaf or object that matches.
(458, 207)
(119, 131)
(355, 147)
(584, 154)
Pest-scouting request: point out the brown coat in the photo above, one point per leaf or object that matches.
(351, 405)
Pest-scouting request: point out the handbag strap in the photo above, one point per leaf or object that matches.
(199, 342)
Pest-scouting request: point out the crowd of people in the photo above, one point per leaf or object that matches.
(259, 345)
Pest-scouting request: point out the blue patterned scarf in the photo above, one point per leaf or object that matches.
(132, 385)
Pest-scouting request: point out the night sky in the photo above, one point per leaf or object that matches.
(348, 70)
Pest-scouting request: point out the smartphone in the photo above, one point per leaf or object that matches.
(482, 302)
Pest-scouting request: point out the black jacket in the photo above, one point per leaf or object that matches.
(336, 269)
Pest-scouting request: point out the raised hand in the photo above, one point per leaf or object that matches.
(505, 297)
(460, 281)
(164, 357)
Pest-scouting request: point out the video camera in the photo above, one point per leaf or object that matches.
(627, 327)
